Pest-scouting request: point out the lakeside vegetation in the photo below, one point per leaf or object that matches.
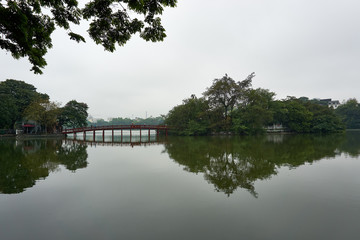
(234, 107)
(128, 121)
(226, 107)
(23, 108)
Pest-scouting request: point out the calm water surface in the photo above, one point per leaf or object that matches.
(270, 187)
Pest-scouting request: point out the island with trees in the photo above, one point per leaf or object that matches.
(230, 107)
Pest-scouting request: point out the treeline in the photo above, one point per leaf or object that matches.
(234, 107)
(129, 121)
(21, 105)
(349, 113)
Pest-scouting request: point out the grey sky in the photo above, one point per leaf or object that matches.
(295, 47)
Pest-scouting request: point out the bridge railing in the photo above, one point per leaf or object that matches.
(115, 127)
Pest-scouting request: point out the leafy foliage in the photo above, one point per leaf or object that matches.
(225, 93)
(74, 114)
(26, 26)
(190, 118)
(350, 113)
(15, 97)
(7, 112)
(303, 116)
(44, 112)
(128, 121)
(297, 117)
(234, 107)
(20, 101)
(255, 112)
(324, 119)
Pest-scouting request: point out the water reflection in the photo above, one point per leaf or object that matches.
(23, 162)
(230, 163)
(351, 144)
(119, 140)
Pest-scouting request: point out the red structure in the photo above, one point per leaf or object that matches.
(157, 128)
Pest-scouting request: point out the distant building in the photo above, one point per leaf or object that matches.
(91, 119)
(330, 103)
(27, 126)
(275, 128)
(334, 104)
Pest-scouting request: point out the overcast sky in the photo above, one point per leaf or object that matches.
(296, 48)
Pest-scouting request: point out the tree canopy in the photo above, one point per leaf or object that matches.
(26, 25)
(350, 113)
(44, 112)
(74, 114)
(254, 113)
(234, 107)
(190, 118)
(21, 103)
(225, 92)
(15, 97)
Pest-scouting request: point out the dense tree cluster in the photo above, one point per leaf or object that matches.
(129, 121)
(21, 103)
(74, 114)
(306, 116)
(15, 97)
(26, 25)
(234, 107)
(350, 113)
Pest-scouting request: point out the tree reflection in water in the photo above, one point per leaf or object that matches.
(228, 163)
(23, 162)
(237, 162)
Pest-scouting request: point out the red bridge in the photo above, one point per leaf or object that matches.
(157, 128)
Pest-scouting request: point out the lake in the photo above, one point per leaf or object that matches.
(266, 187)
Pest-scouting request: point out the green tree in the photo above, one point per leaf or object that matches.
(255, 112)
(224, 93)
(15, 97)
(7, 112)
(74, 114)
(190, 118)
(303, 115)
(296, 117)
(26, 26)
(280, 112)
(101, 122)
(349, 112)
(44, 112)
(324, 119)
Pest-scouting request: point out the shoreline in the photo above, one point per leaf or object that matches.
(63, 136)
(27, 136)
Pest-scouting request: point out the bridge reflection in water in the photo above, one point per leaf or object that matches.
(118, 140)
(122, 128)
